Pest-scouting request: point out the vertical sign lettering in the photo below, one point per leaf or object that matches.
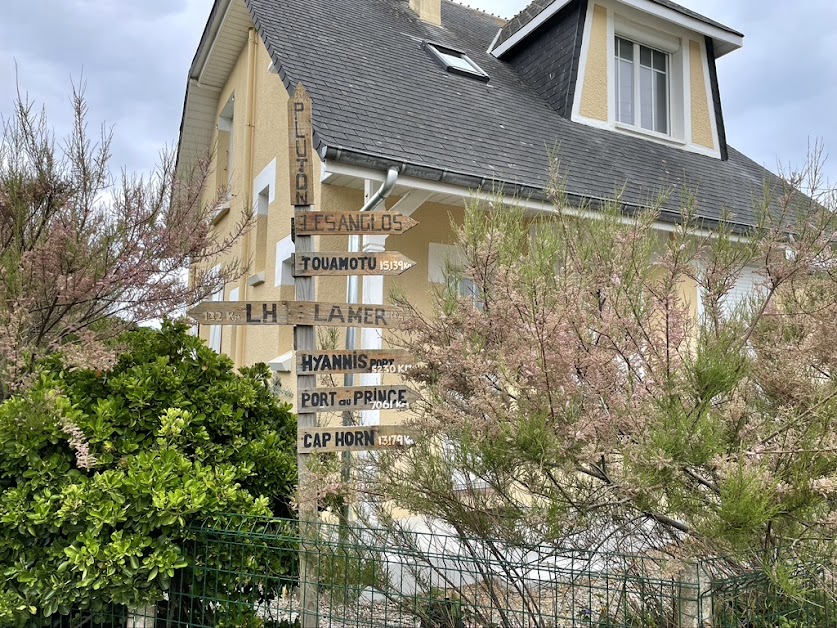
(301, 148)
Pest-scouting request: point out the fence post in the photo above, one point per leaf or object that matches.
(694, 601)
(142, 616)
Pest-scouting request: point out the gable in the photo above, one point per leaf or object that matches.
(575, 60)
(549, 60)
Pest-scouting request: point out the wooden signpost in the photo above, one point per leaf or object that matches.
(351, 223)
(357, 361)
(297, 313)
(301, 160)
(398, 397)
(321, 264)
(304, 313)
(353, 438)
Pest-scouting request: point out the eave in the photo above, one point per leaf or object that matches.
(725, 40)
(223, 38)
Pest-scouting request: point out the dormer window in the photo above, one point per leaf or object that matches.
(642, 86)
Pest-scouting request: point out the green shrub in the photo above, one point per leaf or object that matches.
(102, 472)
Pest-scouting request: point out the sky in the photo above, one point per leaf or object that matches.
(778, 92)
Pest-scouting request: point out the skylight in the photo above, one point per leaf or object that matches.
(455, 61)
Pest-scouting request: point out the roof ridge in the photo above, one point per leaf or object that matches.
(523, 17)
(536, 7)
(477, 9)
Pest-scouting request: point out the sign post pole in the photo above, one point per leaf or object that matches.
(302, 190)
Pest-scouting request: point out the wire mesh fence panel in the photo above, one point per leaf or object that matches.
(244, 572)
(808, 599)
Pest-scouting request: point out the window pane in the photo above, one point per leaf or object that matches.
(659, 61)
(625, 104)
(624, 49)
(661, 89)
(646, 98)
(456, 61)
(644, 105)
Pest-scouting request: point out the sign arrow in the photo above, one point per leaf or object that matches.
(356, 398)
(359, 361)
(353, 438)
(351, 223)
(321, 264)
(297, 313)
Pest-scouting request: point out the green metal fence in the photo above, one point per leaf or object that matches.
(245, 573)
(755, 601)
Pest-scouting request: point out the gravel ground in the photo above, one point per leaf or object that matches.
(558, 606)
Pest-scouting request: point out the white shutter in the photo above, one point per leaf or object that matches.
(749, 284)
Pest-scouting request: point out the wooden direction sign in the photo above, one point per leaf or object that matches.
(351, 223)
(301, 148)
(359, 361)
(356, 398)
(352, 438)
(320, 264)
(297, 313)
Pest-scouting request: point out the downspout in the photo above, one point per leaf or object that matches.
(353, 282)
(383, 192)
(250, 126)
(352, 296)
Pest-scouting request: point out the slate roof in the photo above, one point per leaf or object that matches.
(379, 100)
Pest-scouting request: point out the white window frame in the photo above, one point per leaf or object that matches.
(216, 331)
(284, 271)
(226, 122)
(637, 101)
(664, 37)
(440, 258)
(463, 480)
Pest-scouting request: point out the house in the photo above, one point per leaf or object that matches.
(458, 103)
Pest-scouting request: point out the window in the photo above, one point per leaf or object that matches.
(455, 61)
(444, 266)
(284, 262)
(262, 205)
(748, 286)
(463, 479)
(642, 86)
(264, 193)
(469, 290)
(215, 330)
(224, 166)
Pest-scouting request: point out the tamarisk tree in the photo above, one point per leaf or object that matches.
(84, 255)
(600, 387)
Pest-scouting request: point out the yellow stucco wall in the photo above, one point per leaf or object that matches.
(702, 134)
(594, 94)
